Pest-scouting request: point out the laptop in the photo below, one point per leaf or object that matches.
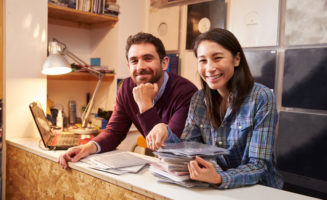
(51, 140)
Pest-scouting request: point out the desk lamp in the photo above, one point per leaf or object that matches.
(56, 64)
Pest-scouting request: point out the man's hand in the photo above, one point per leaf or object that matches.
(76, 153)
(144, 94)
(203, 170)
(157, 136)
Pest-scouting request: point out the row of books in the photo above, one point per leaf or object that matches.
(172, 166)
(103, 69)
(94, 6)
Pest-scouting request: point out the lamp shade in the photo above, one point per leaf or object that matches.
(56, 64)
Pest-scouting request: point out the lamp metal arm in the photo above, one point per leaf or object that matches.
(89, 106)
(79, 61)
(84, 65)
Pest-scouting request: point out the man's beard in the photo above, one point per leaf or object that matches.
(154, 77)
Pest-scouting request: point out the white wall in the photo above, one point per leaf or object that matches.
(132, 19)
(25, 43)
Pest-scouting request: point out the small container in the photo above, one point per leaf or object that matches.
(60, 120)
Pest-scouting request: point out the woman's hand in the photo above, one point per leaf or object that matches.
(157, 136)
(203, 170)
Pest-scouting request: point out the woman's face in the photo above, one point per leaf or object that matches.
(216, 65)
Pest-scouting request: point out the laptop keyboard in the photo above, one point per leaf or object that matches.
(67, 140)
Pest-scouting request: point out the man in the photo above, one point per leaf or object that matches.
(149, 97)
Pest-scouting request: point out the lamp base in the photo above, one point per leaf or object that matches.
(84, 131)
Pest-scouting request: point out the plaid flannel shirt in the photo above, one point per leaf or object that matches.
(249, 136)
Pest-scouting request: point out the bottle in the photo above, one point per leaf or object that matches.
(72, 111)
(60, 120)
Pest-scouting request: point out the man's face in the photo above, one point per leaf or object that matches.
(144, 64)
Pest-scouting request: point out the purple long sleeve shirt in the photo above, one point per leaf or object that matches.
(171, 109)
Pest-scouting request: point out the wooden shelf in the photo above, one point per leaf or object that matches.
(76, 18)
(82, 76)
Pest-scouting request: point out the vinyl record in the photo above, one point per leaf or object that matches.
(202, 17)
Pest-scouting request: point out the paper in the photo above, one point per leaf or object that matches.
(116, 162)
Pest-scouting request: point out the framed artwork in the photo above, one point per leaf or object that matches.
(304, 80)
(202, 17)
(119, 83)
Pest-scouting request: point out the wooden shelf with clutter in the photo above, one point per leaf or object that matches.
(82, 76)
(77, 27)
(63, 16)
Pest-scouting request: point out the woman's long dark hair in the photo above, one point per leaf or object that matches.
(239, 85)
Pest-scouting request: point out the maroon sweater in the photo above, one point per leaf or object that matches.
(171, 109)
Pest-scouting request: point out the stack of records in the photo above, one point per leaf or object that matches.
(174, 158)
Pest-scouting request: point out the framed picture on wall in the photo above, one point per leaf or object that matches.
(202, 17)
(173, 65)
(119, 83)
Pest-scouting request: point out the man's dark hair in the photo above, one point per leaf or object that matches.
(146, 38)
(239, 85)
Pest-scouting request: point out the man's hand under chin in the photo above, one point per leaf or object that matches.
(144, 95)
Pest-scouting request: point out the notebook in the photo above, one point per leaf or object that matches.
(50, 139)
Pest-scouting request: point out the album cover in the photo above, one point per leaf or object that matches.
(301, 142)
(262, 64)
(306, 22)
(202, 17)
(254, 22)
(164, 27)
(304, 81)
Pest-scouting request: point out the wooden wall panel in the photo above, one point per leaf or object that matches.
(28, 177)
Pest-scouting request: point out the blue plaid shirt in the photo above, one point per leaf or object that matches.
(249, 137)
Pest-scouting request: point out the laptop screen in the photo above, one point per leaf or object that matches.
(41, 121)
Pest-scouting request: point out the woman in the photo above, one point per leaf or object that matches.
(231, 111)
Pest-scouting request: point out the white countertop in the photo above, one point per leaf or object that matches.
(145, 183)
